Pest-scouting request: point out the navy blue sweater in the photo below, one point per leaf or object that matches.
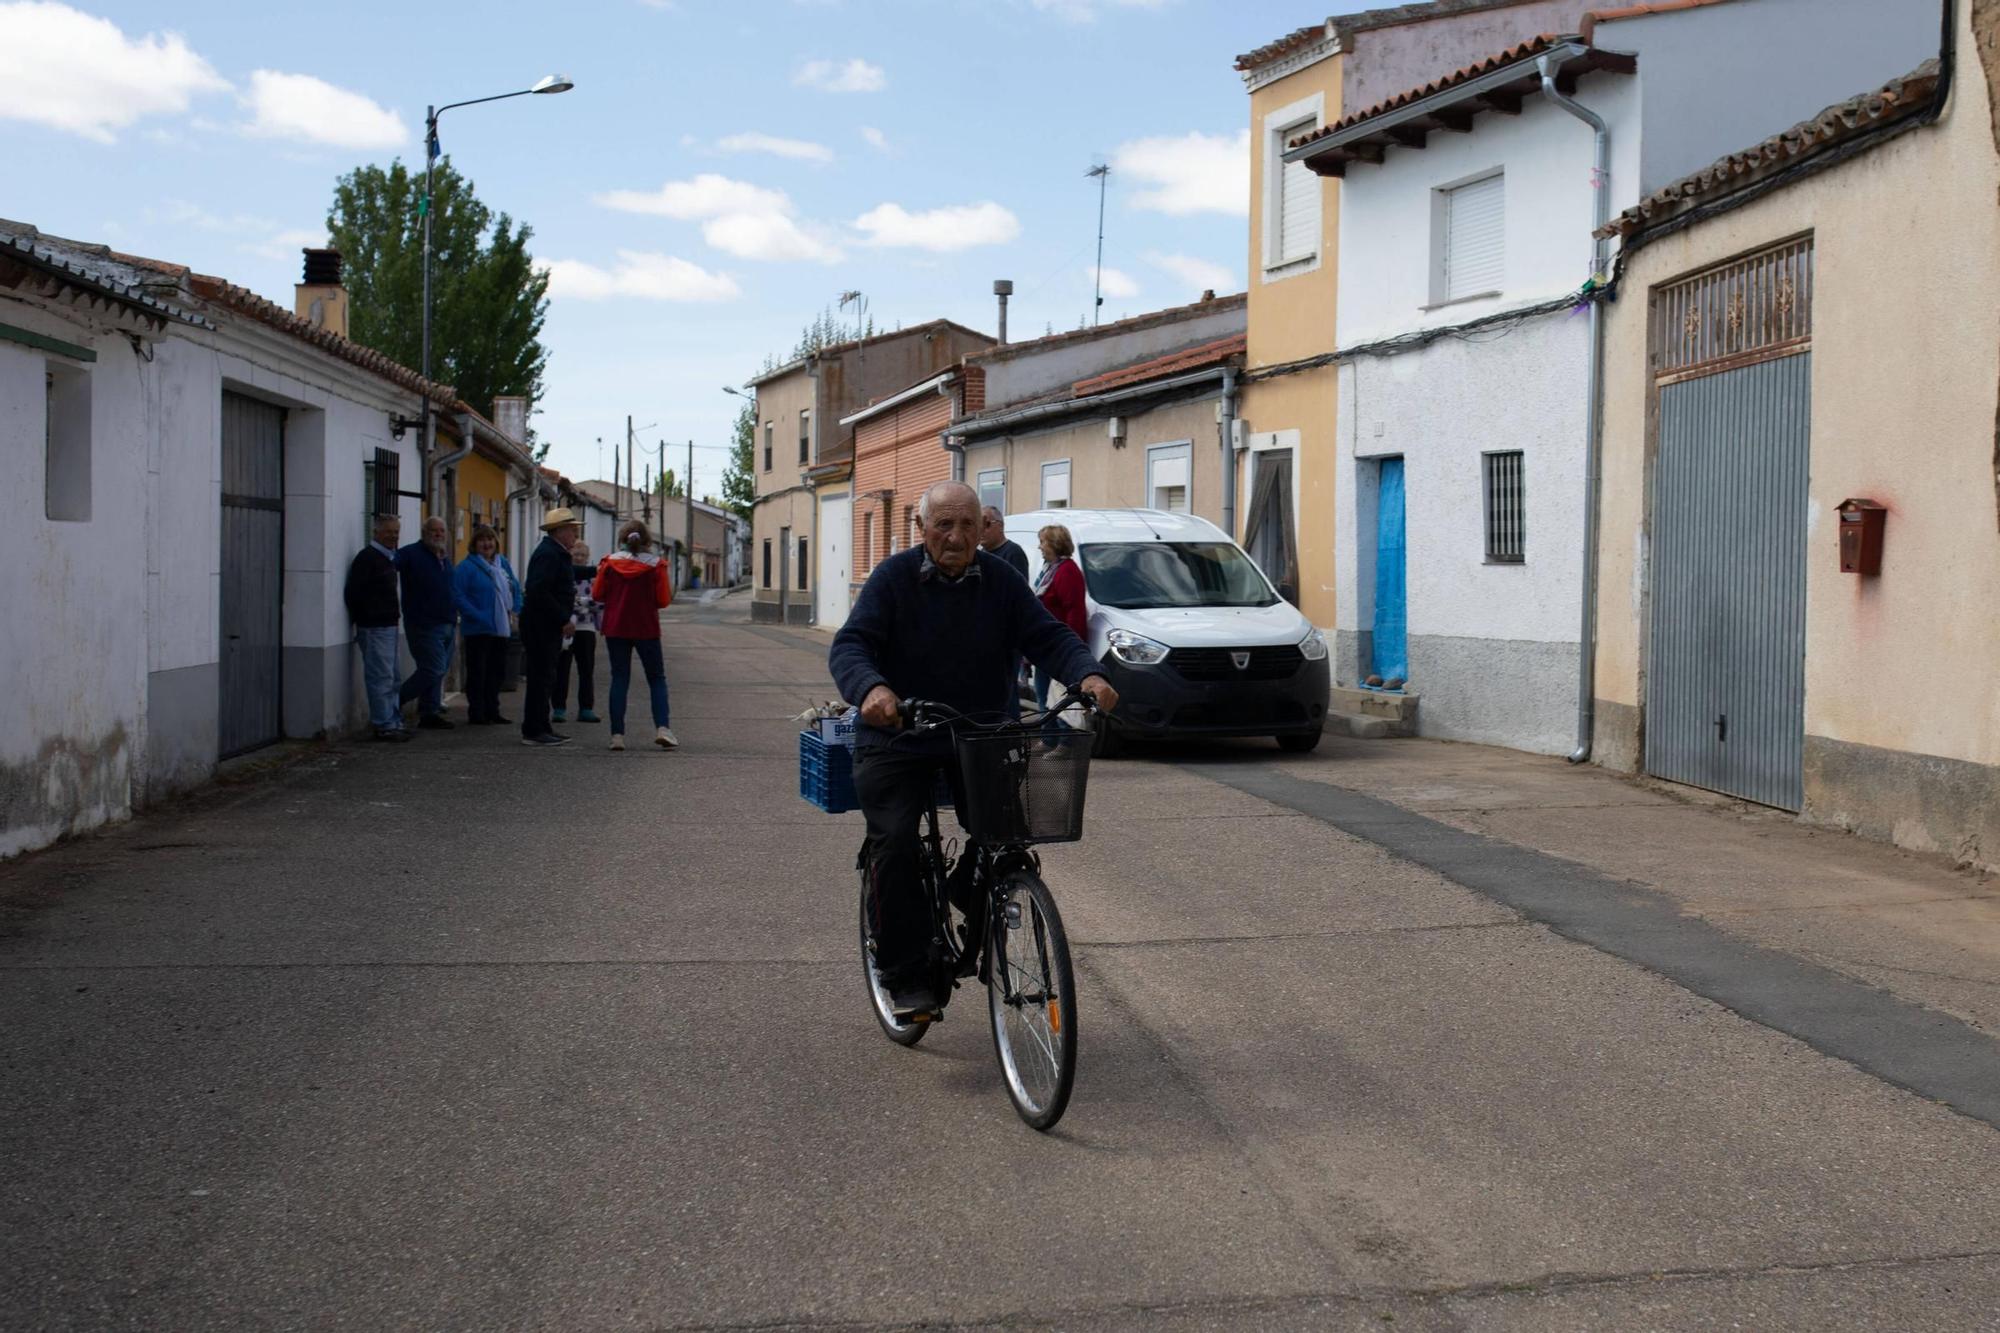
(427, 595)
(952, 643)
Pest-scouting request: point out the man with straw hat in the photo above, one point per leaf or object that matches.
(548, 608)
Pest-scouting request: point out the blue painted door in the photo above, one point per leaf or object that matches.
(1392, 640)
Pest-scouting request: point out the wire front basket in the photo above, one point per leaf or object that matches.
(1023, 784)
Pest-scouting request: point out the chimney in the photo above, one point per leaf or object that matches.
(1003, 288)
(511, 416)
(321, 301)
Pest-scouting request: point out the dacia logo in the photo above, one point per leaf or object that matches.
(1242, 660)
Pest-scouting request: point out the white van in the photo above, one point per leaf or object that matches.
(1194, 637)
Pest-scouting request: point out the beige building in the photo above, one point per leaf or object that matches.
(1301, 83)
(799, 407)
(1790, 363)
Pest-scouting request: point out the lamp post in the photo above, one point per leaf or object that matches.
(551, 83)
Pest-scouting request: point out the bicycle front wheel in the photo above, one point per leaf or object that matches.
(1031, 992)
(904, 1032)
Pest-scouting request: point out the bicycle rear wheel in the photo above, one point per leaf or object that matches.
(900, 1031)
(1031, 993)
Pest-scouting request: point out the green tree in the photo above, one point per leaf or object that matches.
(739, 479)
(487, 300)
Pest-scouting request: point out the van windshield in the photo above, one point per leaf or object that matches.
(1137, 575)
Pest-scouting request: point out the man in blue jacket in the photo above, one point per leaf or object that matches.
(945, 622)
(430, 615)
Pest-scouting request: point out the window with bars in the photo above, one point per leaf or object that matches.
(802, 564)
(1470, 228)
(1506, 508)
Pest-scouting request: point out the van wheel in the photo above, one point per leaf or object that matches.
(1299, 744)
(1105, 743)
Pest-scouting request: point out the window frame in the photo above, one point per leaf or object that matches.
(1282, 125)
(68, 443)
(805, 436)
(981, 481)
(766, 582)
(1440, 264)
(805, 546)
(1492, 524)
(1068, 476)
(770, 436)
(1170, 449)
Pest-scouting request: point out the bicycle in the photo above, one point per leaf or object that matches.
(1019, 785)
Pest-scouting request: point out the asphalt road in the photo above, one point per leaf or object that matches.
(462, 1035)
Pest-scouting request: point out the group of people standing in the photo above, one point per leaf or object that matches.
(1059, 586)
(559, 612)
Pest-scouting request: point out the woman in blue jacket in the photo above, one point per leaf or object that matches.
(488, 597)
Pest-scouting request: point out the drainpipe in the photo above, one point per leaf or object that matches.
(1586, 687)
(1229, 451)
(437, 466)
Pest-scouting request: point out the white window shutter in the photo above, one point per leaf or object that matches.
(1475, 227)
(1298, 211)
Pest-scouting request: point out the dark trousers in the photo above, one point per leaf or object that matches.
(895, 790)
(581, 653)
(485, 663)
(652, 663)
(539, 648)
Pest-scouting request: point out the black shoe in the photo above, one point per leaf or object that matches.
(911, 997)
(436, 722)
(546, 738)
(396, 734)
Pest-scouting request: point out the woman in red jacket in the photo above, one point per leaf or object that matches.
(634, 587)
(1060, 586)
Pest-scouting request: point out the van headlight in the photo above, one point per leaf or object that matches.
(1136, 649)
(1313, 646)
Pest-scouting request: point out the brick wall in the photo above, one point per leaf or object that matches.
(899, 452)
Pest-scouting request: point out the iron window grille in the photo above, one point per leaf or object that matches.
(1506, 507)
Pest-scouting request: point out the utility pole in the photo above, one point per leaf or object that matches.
(688, 491)
(1102, 171)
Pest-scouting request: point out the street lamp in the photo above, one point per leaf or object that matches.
(548, 83)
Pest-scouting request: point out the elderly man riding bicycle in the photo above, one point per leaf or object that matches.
(945, 622)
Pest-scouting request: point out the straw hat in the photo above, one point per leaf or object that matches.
(559, 518)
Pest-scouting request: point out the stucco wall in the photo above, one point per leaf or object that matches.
(1706, 74)
(1388, 61)
(1387, 248)
(72, 735)
(1028, 369)
(1103, 477)
(1904, 409)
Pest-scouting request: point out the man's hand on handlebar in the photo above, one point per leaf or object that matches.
(881, 709)
(1100, 692)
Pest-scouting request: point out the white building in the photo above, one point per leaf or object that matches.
(193, 469)
(1466, 214)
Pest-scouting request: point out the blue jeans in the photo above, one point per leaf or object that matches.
(430, 646)
(621, 678)
(378, 673)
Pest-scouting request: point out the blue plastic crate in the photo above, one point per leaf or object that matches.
(826, 774)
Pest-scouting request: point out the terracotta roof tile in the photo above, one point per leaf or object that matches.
(1346, 25)
(1151, 317)
(246, 302)
(1898, 100)
(1512, 55)
(1188, 358)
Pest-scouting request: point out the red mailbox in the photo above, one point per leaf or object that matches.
(1861, 525)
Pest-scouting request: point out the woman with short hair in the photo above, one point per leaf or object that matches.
(633, 586)
(1060, 587)
(488, 597)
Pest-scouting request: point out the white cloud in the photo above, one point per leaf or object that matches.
(706, 196)
(1085, 11)
(1191, 173)
(939, 229)
(841, 76)
(299, 106)
(73, 71)
(738, 218)
(647, 276)
(875, 138)
(1117, 285)
(766, 236)
(1200, 275)
(803, 150)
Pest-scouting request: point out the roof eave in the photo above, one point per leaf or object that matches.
(1452, 109)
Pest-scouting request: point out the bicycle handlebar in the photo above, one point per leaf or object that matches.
(923, 715)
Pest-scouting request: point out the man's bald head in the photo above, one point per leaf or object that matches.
(992, 528)
(949, 513)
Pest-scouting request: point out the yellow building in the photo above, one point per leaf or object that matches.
(1311, 78)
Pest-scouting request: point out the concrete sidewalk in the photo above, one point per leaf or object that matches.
(1912, 924)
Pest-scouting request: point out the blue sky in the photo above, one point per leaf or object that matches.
(722, 171)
